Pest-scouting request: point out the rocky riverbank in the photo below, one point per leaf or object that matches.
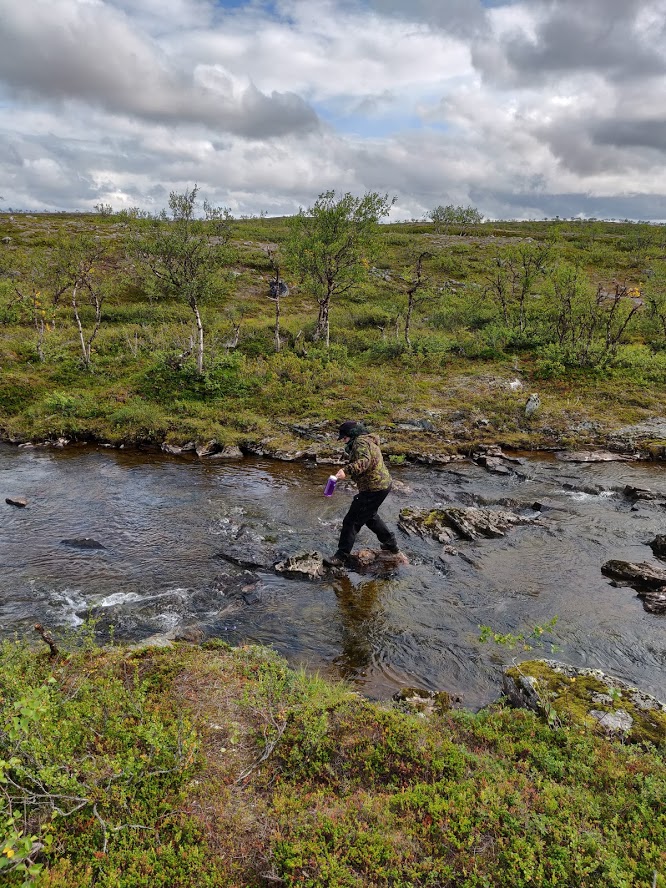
(429, 440)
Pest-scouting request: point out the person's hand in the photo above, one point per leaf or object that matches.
(340, 475)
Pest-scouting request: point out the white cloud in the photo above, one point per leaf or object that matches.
(517, 107)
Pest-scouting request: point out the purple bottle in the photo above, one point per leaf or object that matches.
(330, 486)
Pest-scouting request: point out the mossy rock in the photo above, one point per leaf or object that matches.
(586, 698)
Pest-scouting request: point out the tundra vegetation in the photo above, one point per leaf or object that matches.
(125, 327)
(197, 766)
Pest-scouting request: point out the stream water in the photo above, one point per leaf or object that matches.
(163, 520)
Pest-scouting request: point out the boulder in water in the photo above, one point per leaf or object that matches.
(239, 555)
(469, 523)
(639, 493)
(647, 581)
(228, 452)
(641, 575)
(309, 565)
(658, 545)
(19, 501)
(367, 557)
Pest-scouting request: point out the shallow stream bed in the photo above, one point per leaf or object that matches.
(163, 520)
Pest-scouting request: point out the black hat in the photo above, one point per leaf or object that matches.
(348, 429)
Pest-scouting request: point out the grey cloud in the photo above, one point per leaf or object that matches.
(89, 52)
(525, 205)
(601, 36)
(646, 133)
(605, 143)
(463, 18)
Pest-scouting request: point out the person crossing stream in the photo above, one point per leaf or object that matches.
(367, 469)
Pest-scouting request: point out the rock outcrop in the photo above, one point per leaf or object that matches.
(587, 698)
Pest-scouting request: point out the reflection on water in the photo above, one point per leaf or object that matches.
(360, 613)
(162, 521)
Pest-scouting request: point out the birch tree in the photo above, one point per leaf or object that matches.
(330, 246)
(184, 253)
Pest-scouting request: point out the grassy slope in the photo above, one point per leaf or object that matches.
(225, 768)
(459, 367)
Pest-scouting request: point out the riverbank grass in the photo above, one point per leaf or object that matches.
(194, 766)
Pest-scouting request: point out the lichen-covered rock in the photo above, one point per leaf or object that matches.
(307, 564)
(469, 523)
(587, 698)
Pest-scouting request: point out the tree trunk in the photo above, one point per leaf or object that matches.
(86, 353)
(200, 337)
(322, 328)
(408, 320)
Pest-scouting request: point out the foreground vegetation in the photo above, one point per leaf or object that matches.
(123, 328)
(214, 766)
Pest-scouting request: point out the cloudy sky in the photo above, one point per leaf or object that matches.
(522, 108)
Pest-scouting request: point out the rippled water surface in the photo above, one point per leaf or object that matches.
(162, 520)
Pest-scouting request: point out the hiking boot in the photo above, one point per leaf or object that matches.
(394, 550)
(337, 560)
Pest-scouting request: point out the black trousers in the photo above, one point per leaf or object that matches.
(363, 510)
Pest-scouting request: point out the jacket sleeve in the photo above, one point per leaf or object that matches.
(361, 460)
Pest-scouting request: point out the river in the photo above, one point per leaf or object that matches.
(162, 521)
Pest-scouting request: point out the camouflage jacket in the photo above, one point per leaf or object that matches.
(366, 466)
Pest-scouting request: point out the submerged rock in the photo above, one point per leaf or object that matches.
(83, 543)
(253, 560)
(469, 523)
(589, 456)
(587, 698)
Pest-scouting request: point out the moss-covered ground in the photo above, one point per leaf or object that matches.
(194, 766)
